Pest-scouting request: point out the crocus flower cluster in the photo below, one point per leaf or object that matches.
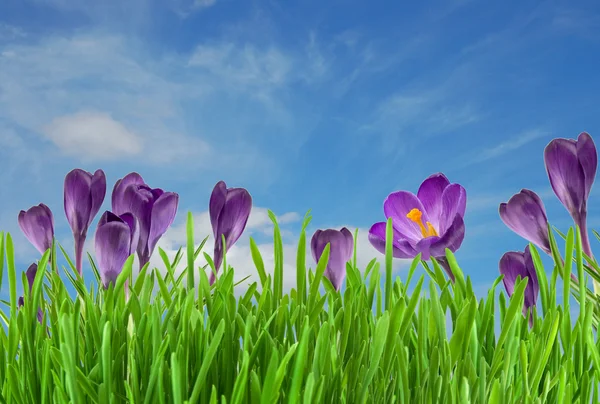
(427, 223)
(140, 216)
(571, 167)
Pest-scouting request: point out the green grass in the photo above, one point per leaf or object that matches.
(171, 342)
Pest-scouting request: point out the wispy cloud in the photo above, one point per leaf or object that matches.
(453, 96)
(258, 72)
(186, 8)
(506, 146)
(403, 118)
(11, 32)
(576, 21)
(200, 4)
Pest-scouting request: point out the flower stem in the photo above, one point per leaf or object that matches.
(585, 242)
(79, 242)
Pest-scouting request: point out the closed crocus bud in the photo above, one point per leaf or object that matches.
(154, 209)
(514, 264)
(84, 194)
(571, 166)
(341, 245)
(30, 273)
(116, 239)
(37, 224)
(229, 210)
(525, 215)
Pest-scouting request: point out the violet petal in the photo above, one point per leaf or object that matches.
(430, 194)
(452, 238)
(397, 205)
(119, 204)
(588, 158)
(454, 202)
(97, 194)
(401, 247)
(565, 173)
(162, 216)
(216, 204)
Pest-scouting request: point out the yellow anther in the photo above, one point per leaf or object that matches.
(431, 230)
(415, 215)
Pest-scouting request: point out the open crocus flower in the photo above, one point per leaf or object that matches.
(426, 223)
(84, 193)
(154, 209)
(116, 239)
(37, 224)
(513, 264)
(30, 273)
(571, 166)
(525, 215)
(340, 251)
(229, 210)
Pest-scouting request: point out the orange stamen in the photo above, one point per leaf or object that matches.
(416, 216)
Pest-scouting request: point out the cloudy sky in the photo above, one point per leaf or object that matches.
(328, 106)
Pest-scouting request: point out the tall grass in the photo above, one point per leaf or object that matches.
(170, 342)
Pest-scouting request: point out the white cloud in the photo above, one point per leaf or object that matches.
(95, 135)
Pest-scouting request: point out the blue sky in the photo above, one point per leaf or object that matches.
(328, 106)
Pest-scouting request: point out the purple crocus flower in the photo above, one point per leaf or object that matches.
(571, 166)
(229, 210)
(154, 209)
(84, 194)
(426, 223)
(116, 239)
(340, 251)
(37, 224)
(525, 215)
(30, 273)
(513, 264)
